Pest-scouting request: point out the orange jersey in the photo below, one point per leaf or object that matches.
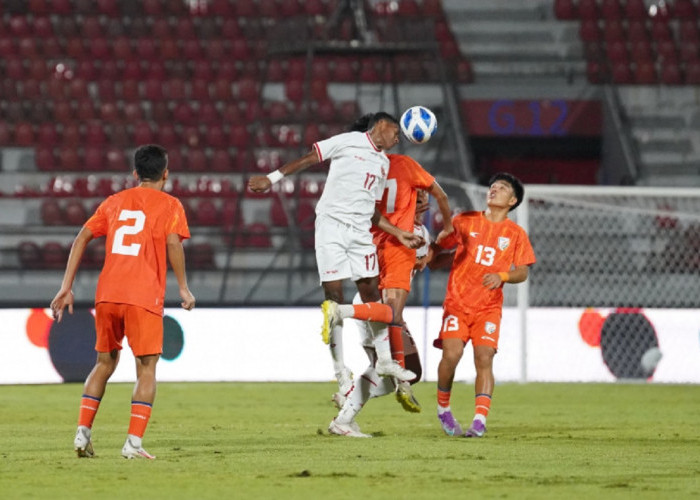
(136, 223)
(483, 247)
(398, 202)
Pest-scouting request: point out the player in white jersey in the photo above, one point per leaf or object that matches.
(344, 247)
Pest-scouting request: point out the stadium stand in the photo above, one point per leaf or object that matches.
(84, 82)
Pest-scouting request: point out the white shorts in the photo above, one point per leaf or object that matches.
(343, 251)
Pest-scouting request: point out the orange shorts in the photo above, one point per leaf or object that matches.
(395, 266)
(481, 327)
(142, 328)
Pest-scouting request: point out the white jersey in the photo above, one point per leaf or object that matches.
(356, 178)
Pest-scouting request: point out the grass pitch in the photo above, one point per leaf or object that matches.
(269, 440)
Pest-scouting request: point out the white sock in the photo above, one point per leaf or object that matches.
(345, 310)
(480, 417)
(336, 348)
(368, 385)
(134, 440)
(443, 409)
(381, 341)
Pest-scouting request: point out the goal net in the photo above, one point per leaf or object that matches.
(615, 292)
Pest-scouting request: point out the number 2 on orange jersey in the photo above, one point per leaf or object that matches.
(118, 245)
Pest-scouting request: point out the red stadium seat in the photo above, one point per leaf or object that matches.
(153, 8)
(227, 70)
(645, 73)
(248, 89)
(239, 137)
(221, 161)
(29, 254)
(51, 213)
(692, 73)
(197, 160)
(94, 158)
(565, 10)
(166, 136)
(588, 9)
(71, 135)
(47, 135)
(206, 213)
(221, 90)
(122, 49)
(688, 32)
(190, 136)
(611, 9)
(143, 134)
(617, 52)
(75, 213)
(24, 134)
(671, 73)
(689, 52)
(184, 114)
(230, 218)
(684, 9)
(160, 112)
(44, 159)
(215, 136)
(95, 134)
(642, 52)
(661, 31)
(255, 235)
(636, 10)
(146, 49)
(69, 159)
(614, 31)
(153, 90)
(637, 31)
(54, 255)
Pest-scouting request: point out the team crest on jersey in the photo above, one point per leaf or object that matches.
(490, 327)
(383, 172)
(503, 243)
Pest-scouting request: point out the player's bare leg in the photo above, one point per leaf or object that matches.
(142, 401)
(452, 350)
(396, 298)
(483, 389)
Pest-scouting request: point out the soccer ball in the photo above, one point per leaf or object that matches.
(418, 124)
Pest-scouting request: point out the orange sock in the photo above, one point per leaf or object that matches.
(443, 397)
(140, 413)
(483, 404)
(88, 409)
(396, 340)
(373, 311)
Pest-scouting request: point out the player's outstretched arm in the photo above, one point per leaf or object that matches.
(444, 205)
(176, 256)
(259, 183)
(64, 297)
(410, 240)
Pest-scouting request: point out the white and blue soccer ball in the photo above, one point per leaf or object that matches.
(418, 124)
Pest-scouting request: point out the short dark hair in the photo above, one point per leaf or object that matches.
(366, 122)
(518, 189)
(150, 161)
(361, 124)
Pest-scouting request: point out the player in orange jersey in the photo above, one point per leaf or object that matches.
(141, 225)
(490, 250)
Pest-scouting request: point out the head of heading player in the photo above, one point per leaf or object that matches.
(382, 127)
(151, 163)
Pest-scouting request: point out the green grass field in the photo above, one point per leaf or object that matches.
(269, 440)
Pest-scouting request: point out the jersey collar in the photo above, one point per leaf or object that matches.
(372, 142)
